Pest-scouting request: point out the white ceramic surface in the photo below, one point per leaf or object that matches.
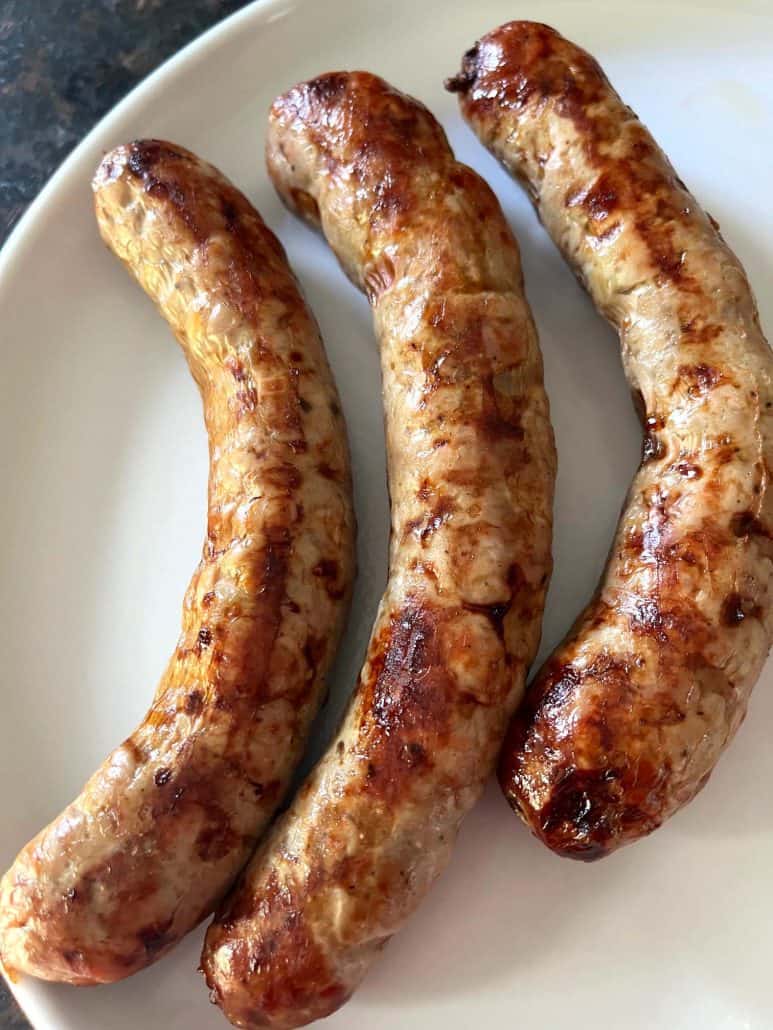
(104, 470)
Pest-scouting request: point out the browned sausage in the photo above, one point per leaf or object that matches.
(162, 828)
(471, 468)
(628, 717)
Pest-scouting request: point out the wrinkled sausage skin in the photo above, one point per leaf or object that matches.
(471, 466)
(162, 828)
(627, 719)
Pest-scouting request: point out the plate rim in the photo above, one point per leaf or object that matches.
(217, 34)
(168, 67)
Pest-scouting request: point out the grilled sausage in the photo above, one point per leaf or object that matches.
(471, 468)
(627, 719)
(162, 828)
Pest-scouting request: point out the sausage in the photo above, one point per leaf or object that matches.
(627, 719)
(471, 467)
(163, 827)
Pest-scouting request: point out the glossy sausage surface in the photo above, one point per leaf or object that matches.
(471, 467)
(628, 717)
(162, 828)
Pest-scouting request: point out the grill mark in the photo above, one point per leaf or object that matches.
(328, 570)
(155, 937)
(407, 694)
(746, 523)
(497, 611)
(194, 702)
(736, 609)
(688, 469)
(525, 64)
(442, 511)
(700, 378)
(144, 158)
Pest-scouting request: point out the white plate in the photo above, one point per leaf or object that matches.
(104, 463)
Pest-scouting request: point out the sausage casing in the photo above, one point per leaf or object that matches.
(628, 717)
(471, 466)
(162, 828)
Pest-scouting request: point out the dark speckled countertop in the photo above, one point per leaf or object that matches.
(63, 64)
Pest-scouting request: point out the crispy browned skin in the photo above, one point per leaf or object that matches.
(626, 720)
(162, 828)
(471, 468)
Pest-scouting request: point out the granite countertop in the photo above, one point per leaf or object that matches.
(63, 64)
